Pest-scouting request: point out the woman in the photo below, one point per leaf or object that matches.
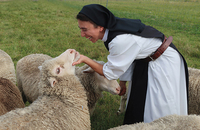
(158, 79)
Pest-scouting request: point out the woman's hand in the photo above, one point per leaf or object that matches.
(94, 65)
(123, 87)
(80, 60)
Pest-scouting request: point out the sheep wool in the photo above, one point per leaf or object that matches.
(171, 122)
(95, 84)
(28, 75)
(10, 96)
(194, 91)
(92, 91)
(7, 67)
(62, 104)
(28, 78)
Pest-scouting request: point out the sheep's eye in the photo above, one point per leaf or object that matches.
(58, 70)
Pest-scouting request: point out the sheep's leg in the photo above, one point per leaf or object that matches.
(122, 106)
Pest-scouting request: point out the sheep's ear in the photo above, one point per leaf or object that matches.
(40, 68)
(52, 81)
(88, 70)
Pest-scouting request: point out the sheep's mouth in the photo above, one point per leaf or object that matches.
(113, 93)
(77, 56)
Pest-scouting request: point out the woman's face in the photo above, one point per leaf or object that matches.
(91, 32)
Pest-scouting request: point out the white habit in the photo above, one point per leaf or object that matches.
(166, 89)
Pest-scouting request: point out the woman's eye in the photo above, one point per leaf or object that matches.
(58, 70)
(84, 30)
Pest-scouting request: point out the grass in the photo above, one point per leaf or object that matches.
(50, 27)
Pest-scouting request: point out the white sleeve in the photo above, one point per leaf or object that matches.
(123, 51)
(127, 76)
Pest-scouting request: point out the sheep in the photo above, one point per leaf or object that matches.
(7, 67)
(95, 84)
(28, 75)
(10, 96)
(28, 78)
(194, 90)
(171, 122)
(62, 104)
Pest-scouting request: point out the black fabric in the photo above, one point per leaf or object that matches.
(148, 32)
(135, 109)
(101, 16)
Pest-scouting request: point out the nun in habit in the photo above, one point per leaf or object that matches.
(156, 71)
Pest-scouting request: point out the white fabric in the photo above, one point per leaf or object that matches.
(105, 35)
(166, 90)
(127, 76)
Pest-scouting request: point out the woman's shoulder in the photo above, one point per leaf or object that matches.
(122, 42)
(125, 39)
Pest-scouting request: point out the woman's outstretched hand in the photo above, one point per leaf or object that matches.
(93, 64)
(80, 60)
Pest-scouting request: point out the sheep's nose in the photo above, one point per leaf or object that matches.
(72, 50)
(118, 89)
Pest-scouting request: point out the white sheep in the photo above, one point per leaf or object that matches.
(95, 84)
(10, 96)
(171, 122)
(62, 104)
(28, 78)
(193, 91)
(28, 75)
(7, 67)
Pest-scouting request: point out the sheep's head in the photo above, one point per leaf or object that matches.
(102, 83)
(54, 69)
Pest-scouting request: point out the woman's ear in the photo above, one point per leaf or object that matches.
(102, 28)
(52, 81)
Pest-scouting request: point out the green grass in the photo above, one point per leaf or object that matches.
(50, 27)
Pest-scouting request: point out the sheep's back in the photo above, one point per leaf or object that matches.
(28, 75)
(47, 112)
(171, 122)
(7, 67)
(194, 91)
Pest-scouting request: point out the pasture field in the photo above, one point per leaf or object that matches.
(50, 27)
